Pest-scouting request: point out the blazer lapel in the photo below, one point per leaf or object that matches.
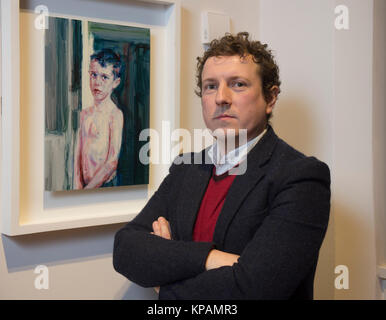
(193, 188)
(244, 183)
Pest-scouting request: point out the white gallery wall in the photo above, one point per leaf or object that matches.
(353, 172)
(332, 106)
(334, 93)
(303, 40)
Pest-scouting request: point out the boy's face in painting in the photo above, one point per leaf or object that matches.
(102, 82)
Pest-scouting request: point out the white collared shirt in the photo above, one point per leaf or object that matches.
(232, 158)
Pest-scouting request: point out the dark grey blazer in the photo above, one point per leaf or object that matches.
(275, 217)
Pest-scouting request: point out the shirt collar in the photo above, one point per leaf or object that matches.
(232, 158)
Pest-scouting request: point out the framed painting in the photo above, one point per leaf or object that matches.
(50, 80)
(97, 99)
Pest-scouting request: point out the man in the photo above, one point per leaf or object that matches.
(100, 133)
(208, 234)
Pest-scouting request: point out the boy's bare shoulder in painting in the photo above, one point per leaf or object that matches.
(117, 115)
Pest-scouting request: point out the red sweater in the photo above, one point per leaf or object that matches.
(211, 206)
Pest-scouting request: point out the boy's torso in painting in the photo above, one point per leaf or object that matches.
(98, 126)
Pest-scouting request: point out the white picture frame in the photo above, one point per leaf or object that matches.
(25, 206)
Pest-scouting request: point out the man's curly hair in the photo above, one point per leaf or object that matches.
(231, 45)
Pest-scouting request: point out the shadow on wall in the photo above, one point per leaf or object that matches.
(131, 291)
(325, 275)
(65, 246)
(50, 248)
(352, 251)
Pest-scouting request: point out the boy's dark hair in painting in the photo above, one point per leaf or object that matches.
(109, 57)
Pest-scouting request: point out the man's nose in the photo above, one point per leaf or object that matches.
(223, 95)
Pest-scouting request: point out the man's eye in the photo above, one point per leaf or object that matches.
(105, 77)
(210, 87)
(238, 84)
(93, 74)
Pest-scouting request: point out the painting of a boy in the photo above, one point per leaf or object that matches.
(97, 102)
(100, 132)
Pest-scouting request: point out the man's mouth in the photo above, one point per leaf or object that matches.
(97, 91)
(224, 116)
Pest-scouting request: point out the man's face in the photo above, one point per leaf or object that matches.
(102, 82)
(232, 96)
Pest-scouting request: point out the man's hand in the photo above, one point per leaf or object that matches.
(217, 259)
(161, 228)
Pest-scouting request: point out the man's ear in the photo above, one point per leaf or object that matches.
(274, 92)
(116, 83)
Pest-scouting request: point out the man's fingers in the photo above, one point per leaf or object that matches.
(161, 228)
(156, 228)
(164, 228)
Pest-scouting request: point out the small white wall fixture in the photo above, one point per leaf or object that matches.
(214, 25)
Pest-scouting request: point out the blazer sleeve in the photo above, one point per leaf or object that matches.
(149, 260)
(284, 249)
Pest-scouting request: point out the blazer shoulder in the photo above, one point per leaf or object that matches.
(294, 163)
(184, 160)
